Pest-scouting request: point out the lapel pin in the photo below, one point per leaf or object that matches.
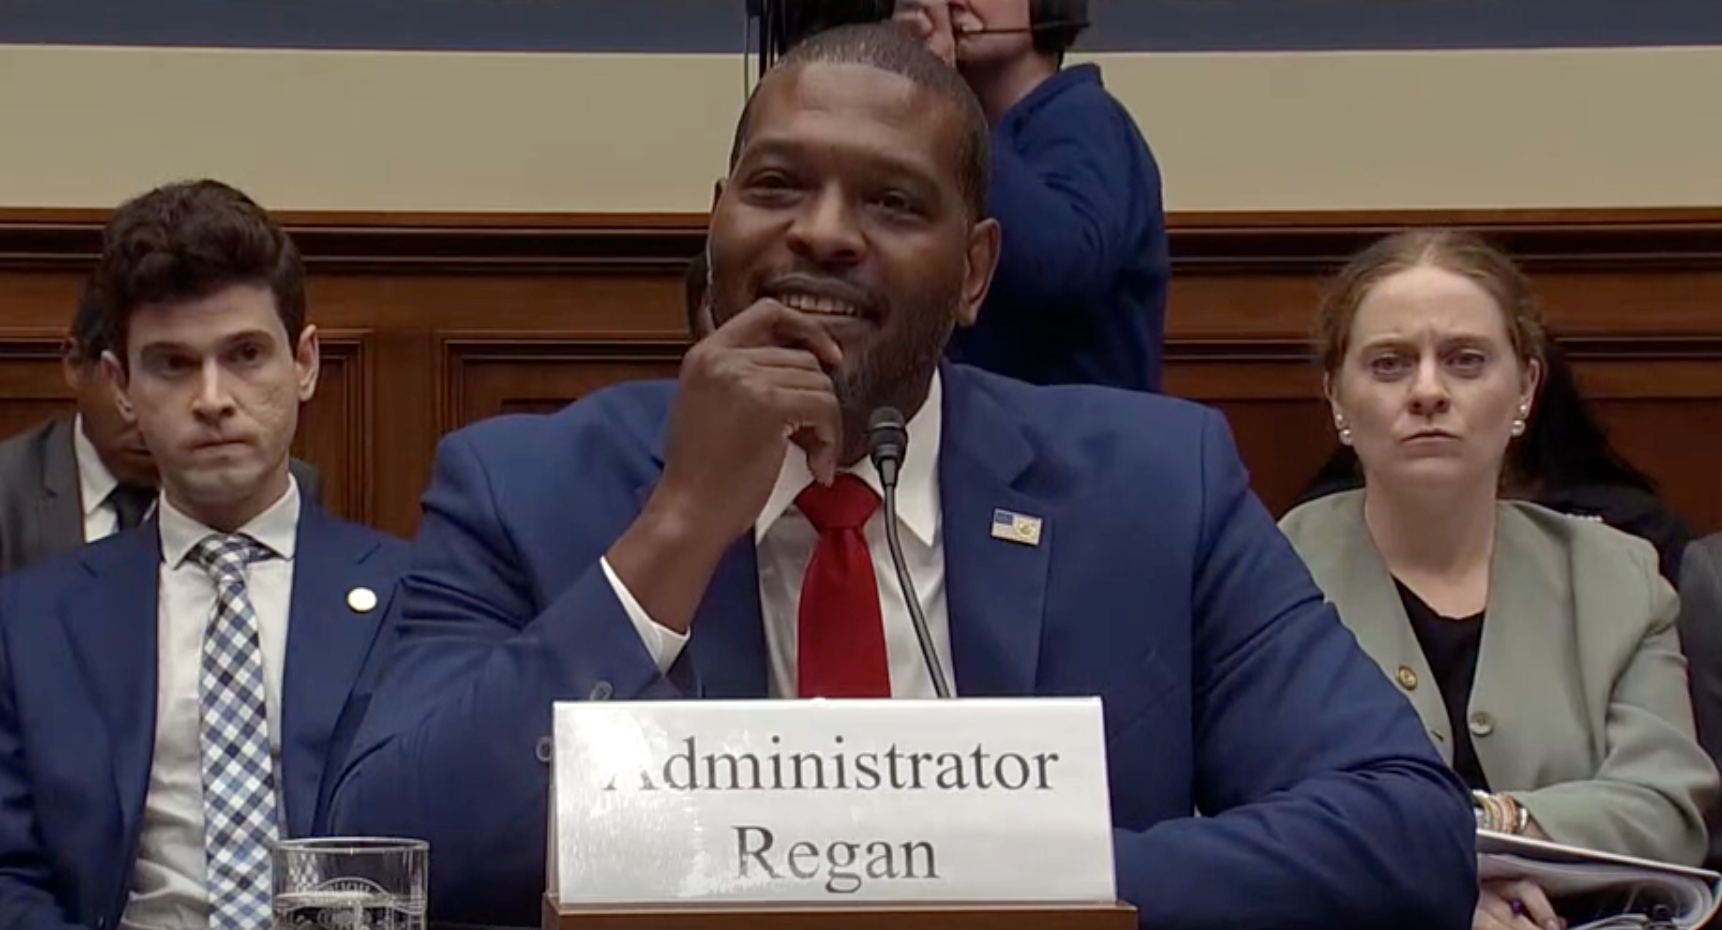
(362, 600)
(1016, 527)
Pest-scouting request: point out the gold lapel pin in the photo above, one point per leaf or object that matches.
(362, 600)
(1016, 527)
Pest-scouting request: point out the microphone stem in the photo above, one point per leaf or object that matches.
(929, 654)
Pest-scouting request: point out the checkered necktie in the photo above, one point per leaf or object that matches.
(238, 774)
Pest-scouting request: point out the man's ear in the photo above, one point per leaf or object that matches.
(308, 363)
(119, 383)
(72, 363)
(983, 260)
(717, 191)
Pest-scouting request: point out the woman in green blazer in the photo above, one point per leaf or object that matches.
(1539, 649)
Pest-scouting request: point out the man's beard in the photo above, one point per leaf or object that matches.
(895, 374)
(889, 374)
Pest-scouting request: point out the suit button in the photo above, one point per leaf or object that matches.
(601, 692)
(1482, 724)
(545, 750)
(1407, 678)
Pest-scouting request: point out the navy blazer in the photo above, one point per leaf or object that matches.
(1160, 584)
(78, 702)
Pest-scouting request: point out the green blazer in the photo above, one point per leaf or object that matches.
(1580, 708)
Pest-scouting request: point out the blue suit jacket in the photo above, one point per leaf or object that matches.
(78, 701)
(1160, 584)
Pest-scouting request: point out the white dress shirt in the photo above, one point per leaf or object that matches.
(784, 541)
(95, 483)
(169, 886)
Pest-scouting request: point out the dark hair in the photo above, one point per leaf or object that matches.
(694, 290)
(1564, 443)
(1057, 25)
(187, 240)
(90, 327)
(888, 48)
(1461, 253)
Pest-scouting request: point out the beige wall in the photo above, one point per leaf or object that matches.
(421, 131)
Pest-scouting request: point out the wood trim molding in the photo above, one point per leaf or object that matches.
(36, 239)
(1578, 348)
(1476, 218)
(30, 344)
(696, 221)
(1211, 243)
(457, 352)
(1202, 243)
(351, 350)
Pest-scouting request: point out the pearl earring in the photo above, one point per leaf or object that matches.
(1344, 431)
(1519, 421)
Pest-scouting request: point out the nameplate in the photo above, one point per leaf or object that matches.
(792, 802)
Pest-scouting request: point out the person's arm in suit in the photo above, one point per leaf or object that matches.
(1700, 627)
(1324, 804)
(1649, 795)
(1065, 203)
(26, 903)
(464, 700)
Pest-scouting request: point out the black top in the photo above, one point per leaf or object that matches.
(1450, 646)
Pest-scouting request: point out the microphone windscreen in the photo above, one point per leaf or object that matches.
(887, 437)
(885, 418)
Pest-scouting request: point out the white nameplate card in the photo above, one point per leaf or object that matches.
(975, 800)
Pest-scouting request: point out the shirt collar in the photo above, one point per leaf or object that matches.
(917, 482)
(276, 528)
(95, 482)
(1051, 88)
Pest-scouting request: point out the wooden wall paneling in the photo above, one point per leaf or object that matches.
(1634, 296)
(335, 428)
(1270, 394)
(1661, 402)
(32, 386)
(486, 375)
(434, 321)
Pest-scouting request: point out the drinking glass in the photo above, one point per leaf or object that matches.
(349, 883)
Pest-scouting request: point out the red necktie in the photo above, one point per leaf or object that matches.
(840, 642)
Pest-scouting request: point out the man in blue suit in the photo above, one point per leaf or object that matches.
(171, 698)
(666, 541)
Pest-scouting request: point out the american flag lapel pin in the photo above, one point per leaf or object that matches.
(1016, 527)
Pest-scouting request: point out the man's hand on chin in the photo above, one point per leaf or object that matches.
(744, 392)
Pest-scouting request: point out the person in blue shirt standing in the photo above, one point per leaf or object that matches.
(1080, 292)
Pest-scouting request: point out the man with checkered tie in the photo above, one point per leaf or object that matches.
(171, 698)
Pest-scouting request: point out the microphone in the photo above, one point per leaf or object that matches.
(887, 444)
(1037, 27)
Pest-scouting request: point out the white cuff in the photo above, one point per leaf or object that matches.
(664, 644)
